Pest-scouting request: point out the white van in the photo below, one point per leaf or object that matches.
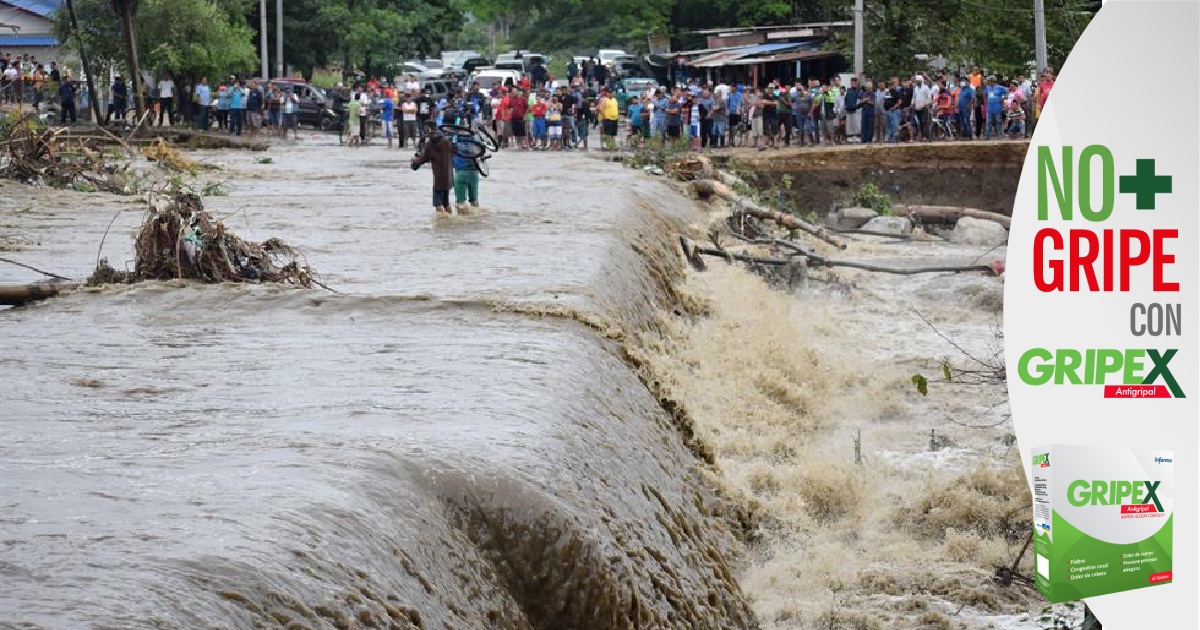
(607, 55)
(488, 79)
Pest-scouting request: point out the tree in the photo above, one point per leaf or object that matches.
(997, 35)
(187, 38)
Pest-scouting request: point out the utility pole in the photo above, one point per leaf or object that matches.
(858, 38)
(126, 8)
(262, 39)
(1039, 33)
(278, 38)
(87, 66)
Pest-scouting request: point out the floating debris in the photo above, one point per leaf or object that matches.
(180, 240)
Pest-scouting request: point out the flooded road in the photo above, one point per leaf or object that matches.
(453, 441)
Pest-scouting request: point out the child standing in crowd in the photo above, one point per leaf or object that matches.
(538, 109)
(554, 124)
(387, 114)
(1016, 119)
(634, 108)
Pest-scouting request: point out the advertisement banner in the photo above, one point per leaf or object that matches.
(1099, 321)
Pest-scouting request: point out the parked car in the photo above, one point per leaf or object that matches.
(627, 66)
(437, 88)
(420, 70)
(607, 55)
(315, 104)
(519, 60)
(488, 79)
(633, 86)
(471, 64)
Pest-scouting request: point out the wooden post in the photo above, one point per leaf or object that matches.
(797, 274)
(93, 97)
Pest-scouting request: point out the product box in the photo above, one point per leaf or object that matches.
(1101, 520)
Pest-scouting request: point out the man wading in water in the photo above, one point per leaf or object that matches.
(440, 155)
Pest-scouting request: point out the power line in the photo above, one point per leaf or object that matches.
(1062, 9)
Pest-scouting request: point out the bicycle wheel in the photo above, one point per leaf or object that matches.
(468, 148)
(481, 165)
(488, 138)
(457, 130)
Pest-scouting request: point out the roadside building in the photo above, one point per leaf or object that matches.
(757, 55)
(27, 28)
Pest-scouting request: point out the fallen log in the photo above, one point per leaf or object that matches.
(949, 214)
(21, 294)
(710, 188)
(693, 251)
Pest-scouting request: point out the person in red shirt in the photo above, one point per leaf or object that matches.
(1044, 85)
(945, 105)
(501, 117)
(518, 105)
(539, 123)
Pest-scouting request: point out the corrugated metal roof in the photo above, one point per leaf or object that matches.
(737, 56)
(802, 55)
(27, 40)
(43, 8)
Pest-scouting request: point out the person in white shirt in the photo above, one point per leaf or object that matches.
(922, 102)
(166, 99)
(8, 86)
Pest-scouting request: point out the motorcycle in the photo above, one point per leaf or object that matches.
(329, 120)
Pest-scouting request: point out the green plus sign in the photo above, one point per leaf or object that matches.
(1145, 184)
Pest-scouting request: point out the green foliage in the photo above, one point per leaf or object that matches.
(997, 35)
(214, 189)
(217, 37)
(870, 196)
(921, 383)
(264, 160)
(657, 153)
(183, 37)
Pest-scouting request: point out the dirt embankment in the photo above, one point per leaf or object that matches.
(980, 175)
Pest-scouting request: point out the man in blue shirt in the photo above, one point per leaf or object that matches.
(237, 108)
(387, 115)
(995, 95)
(66, 98)
(660, 113)
(735, 111)
(203, 100)
(966, 102)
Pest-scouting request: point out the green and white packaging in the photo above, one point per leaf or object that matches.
(1101, 520)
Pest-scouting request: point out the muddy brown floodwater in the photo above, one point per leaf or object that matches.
(454, 441)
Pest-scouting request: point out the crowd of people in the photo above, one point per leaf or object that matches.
(537, 113)
(25, 80)
(552, 116)
(814, 112)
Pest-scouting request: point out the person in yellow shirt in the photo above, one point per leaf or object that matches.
(607, 111)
